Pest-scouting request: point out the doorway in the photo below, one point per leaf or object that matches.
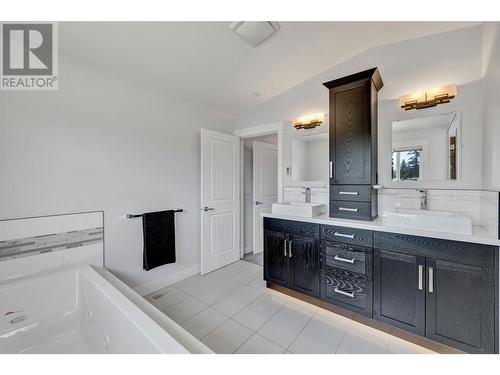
(260, 190)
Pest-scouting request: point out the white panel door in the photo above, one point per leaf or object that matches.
(220, 200)
(265, 187)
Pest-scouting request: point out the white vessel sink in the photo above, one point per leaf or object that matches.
(299, 209)
(437, 221)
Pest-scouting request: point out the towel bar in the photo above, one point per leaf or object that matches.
(130, 216)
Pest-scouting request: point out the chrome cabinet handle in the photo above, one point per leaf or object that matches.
(284, 247)
(290, 249)
(420, 277)
(331, 169)
(348, 209)
(348, 193)
(431, 280)
(348, 294)
(208, 208)
(345, 260)
(338, 234)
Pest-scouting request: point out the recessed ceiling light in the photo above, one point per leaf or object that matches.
(255, 32)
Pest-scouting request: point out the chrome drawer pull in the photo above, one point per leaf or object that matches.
(347, 294)
(337, 234)
(290, 249)
(420, 277)
(431, 280)
(345, 260)
(284, 247)
(348, 209)
(348, 193)
(331, 169)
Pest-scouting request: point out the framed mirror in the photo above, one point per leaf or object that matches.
(427, 148)
(310, 157)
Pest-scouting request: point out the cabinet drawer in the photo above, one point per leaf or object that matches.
(351, 210)
(339, 255)
(347, 291)
(353, 193)
(291, 227)
(350, 236)
(447, 250)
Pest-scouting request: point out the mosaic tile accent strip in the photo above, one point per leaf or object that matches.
(24, 247)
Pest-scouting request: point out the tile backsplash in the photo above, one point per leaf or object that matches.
(296, 194)
(481, 206)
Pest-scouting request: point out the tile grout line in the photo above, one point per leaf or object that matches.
(288, 347)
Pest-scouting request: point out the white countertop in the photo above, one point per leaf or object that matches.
(479, 235)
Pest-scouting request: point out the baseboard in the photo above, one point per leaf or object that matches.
(248, 249)
(169, 279)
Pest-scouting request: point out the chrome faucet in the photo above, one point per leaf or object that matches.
(423, 199)
(307, 192)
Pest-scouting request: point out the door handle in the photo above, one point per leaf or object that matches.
(431, 279)
(345, 260)
(420, 277)
(208, 208)
(290, 249)
(258, 203)
(331, 169)
(284, 247)
(348, 294)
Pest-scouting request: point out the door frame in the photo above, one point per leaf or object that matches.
(251, 132)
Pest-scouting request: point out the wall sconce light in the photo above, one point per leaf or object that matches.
(308, 122)
(430, 98)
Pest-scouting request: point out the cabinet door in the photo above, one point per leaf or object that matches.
(350, 132)
(275, 258)
(399, 283)
(460, 306)
(304, 265)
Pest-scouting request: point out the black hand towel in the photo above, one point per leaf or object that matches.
(159, 239)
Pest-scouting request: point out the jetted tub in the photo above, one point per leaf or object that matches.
(84, 310)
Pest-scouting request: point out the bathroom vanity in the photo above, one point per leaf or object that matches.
(424, 267)
(427, 284)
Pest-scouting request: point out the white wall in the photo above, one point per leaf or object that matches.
(491, 108)
(102, 143)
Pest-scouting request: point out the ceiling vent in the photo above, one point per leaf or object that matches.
(254, 33)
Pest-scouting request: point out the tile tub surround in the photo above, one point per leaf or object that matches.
(231, 316)
(40, 244)
(29, 246)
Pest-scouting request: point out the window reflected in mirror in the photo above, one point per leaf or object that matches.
(426, 148)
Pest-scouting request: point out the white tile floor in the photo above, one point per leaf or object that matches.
(232, 311)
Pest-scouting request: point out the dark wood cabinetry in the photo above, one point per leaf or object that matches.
(275, 258)
(353, 145)
(446, 291)
(291, 255)
(460, 306)
(304, 264)
(346, 268)
(400, 290)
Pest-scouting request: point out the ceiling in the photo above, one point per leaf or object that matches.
(206, 63)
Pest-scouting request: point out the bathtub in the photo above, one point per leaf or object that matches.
(84, 310)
